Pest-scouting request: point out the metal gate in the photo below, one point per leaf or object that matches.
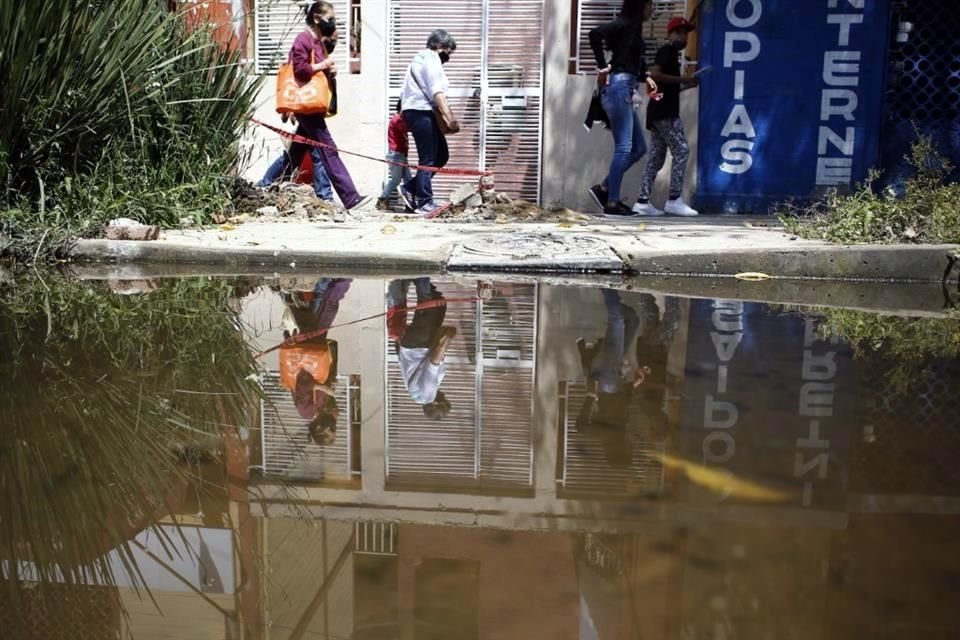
(276, 25)
(584, 472)
(496, 76)
(289, 453)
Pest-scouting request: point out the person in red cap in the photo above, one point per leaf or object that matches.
(666, 128)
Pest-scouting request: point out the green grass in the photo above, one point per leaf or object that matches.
(137, 117)
(929, 211)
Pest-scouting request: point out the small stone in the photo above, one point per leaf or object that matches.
(238, 219)
(473, 201)
(123, 222)
(268, 211)
(300, 211)
(126, 229)
(187, 221)
(218, 218)
(502, 198)
(462, 193)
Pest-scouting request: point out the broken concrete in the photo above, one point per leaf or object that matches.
(719, 246)
(128, 229)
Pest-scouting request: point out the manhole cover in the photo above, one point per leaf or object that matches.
(534, 252)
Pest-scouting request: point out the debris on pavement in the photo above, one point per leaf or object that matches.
(470, 202)
(129, 229)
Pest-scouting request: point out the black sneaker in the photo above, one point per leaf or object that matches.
(618, 210)
(599, 194)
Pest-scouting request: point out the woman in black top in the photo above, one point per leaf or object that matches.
(618, 79)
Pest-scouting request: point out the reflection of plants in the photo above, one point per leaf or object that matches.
(929, 210)
(101, 395)
(911, 344)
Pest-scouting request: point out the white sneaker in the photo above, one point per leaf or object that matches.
(680, 208)
(646, 209)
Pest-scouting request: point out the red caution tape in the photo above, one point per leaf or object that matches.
(303, 337)
(314, 143)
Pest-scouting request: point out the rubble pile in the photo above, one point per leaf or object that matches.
(470, 202)
(286, 202)
(482, 203)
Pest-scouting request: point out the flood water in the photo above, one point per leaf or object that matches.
(471, 459)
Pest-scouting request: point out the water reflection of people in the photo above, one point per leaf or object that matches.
(421, 346)
(308, 369)
(613, 375)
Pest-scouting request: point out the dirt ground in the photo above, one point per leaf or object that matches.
(289, 202)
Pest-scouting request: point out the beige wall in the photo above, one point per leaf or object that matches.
(574, 158)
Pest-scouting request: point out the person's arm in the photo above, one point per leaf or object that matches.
(303, 65)
(661, 61)
(601, 36)
(440, 101)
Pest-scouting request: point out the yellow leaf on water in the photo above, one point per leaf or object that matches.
(565, 225)
(723, 482)
(388, 230)
(227, 227)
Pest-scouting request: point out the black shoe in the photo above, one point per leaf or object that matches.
(599, 194)
(618, 210)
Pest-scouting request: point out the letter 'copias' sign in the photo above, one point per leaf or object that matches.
(793, 106)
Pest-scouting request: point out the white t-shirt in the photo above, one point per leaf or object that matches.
(421, 376)
(429, 71)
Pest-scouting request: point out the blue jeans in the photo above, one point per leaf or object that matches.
(622, 323)
(628, 143)
(289, 161)
(432, 151)
(396, 175)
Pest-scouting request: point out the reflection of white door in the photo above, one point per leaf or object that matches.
(495, 83)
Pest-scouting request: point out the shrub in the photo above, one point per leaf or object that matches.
(928, 212)
(113, 109)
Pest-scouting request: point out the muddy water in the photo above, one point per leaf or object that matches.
(471, 458)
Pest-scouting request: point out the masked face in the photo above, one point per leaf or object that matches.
(328, 26)
(444, 57)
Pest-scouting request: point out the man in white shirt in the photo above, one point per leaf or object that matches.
(428, 116)
(421, 346)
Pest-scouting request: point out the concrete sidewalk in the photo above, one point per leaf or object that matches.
(715, 246)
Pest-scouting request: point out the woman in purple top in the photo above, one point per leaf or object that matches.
(309, 56)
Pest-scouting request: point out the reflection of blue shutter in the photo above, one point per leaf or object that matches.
(278, 22)
(486, 440)
(287, 449)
